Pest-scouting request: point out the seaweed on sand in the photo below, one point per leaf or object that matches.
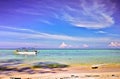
(10, 62)
(56, 65)
(49, 65)
(7, 69)
(9, 65)
(24, 69)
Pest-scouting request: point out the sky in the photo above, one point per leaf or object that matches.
(60, 23)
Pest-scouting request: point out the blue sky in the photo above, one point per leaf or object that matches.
(60, 23)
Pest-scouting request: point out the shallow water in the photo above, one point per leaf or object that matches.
(67, 56)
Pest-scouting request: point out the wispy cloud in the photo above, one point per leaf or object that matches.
(94, 14)
(46, 22)
(108, 33)
(85, 45)
(32, 37)
(13, 44)
(19, 29)
(28, 11)
(115, 35)
(37, 8)
(102, 32)
(25, 33)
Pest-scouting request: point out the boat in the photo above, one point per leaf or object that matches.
(26, 51)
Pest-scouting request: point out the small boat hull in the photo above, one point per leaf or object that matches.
(26, 53)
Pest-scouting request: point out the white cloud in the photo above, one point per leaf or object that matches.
(46, 22)
(64, 45)
(85, 45)
(18, 29)
(93, 15)
(102, 32)
(114, 44)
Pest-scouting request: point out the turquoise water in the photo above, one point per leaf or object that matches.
(67, 56)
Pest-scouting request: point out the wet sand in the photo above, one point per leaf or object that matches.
(72, 72)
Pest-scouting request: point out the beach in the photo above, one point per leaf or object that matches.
(69, 76)
(74, 72)
(61, 64)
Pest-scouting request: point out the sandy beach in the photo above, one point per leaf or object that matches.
(62, 64)
(105, 75)
(72, 72)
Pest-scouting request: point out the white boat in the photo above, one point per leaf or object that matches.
(26, 51)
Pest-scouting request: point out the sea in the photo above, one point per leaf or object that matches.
(67, 56)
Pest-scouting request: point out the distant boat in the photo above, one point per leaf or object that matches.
(26, 51)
